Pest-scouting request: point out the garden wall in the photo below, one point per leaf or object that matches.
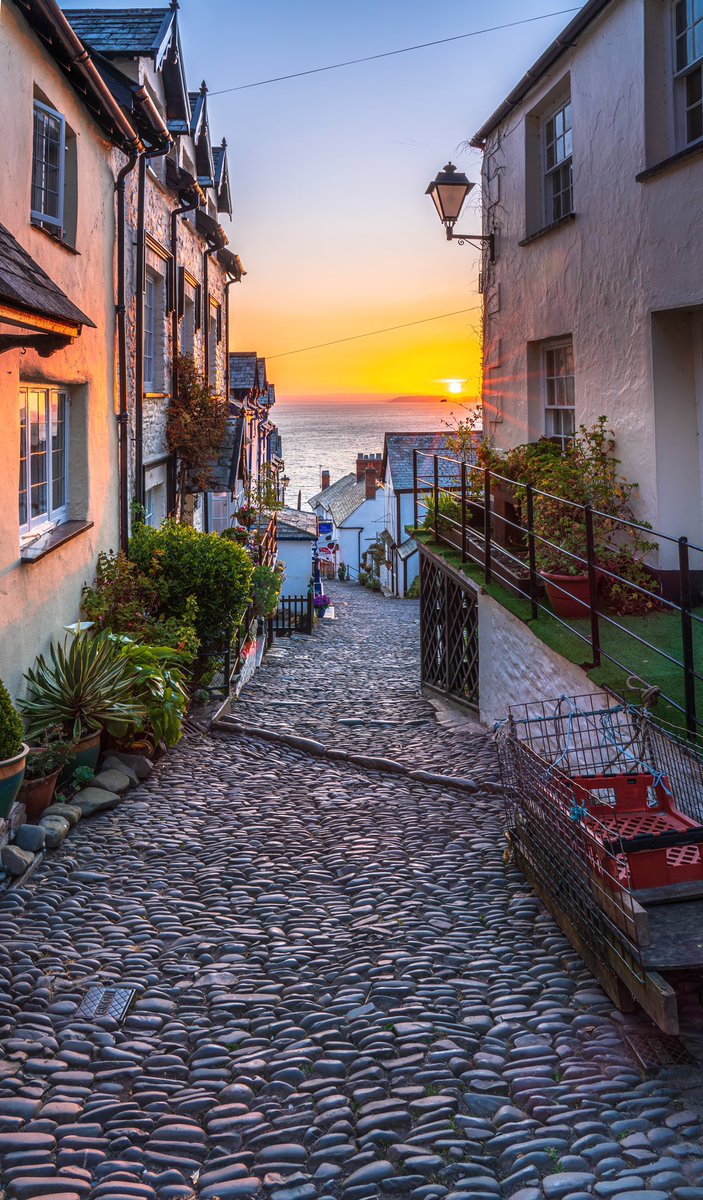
(515, 667)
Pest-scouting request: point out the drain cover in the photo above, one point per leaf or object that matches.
(654, 1050)
(106, 1002)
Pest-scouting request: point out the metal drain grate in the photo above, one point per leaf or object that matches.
(106, 1002)
(654, 1050)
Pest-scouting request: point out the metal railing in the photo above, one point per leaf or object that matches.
(294, 615)
(472, 488)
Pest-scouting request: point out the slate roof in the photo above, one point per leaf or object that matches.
(223, 476)
(242, 371)
(296, 526)
(398, 455)
(406, 549)
(347, 502)
(261, 373)
(121, 32)
(328, 494)
(24, 285)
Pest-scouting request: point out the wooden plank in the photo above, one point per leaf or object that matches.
(653, 993)
(671, 893)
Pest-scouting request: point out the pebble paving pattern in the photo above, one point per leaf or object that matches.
(344, 992)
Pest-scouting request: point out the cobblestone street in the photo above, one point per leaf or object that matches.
(343, 989)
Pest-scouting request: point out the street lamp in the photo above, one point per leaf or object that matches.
(285, 482)
(449, 190)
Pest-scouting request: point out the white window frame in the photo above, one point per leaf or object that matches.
(188, 325)
(42, 218)
(690, 69)
(157, 492)
(51, 516)
(554, 411)
(548, 172)
(152, 282)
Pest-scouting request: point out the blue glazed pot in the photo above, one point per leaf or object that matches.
(11, 776)
(86, 754)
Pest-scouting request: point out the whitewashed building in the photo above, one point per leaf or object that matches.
(402, 564)
(592, 183)
(297, 536)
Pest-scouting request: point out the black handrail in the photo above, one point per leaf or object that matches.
(465, 490)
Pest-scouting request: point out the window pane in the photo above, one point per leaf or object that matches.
(46, 164)
(58, 450)
(149, 329)
(23, 458)
(39, 453)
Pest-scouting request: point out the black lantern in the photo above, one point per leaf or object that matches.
(449, 190)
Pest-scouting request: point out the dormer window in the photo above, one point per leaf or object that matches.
(688, 56)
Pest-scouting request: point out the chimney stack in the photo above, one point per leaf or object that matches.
(370, 483)
(364, 461)
(325, 480)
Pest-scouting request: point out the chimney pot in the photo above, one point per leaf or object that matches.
(370, 483)
(325, 480)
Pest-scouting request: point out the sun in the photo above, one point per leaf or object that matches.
(455, 386)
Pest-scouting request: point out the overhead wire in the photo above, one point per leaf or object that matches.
(351, 62)
(355, 337)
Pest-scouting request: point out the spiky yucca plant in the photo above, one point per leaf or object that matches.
(86, 686)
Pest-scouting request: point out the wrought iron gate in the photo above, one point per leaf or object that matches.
(448, 631)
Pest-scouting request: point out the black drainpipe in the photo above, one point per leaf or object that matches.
(177, 212)
(121, 307)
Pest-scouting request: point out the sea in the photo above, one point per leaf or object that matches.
(327, 433)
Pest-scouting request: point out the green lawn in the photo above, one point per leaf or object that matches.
(661, 629)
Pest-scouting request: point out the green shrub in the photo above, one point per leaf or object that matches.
(123, 599)
(413, 592)
(159, 684)
(188, 565)
(266, 588)
(11, 730)
(449, 510)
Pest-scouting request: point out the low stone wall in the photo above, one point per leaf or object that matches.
(515, 667)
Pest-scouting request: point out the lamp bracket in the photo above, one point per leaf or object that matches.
(483, 239)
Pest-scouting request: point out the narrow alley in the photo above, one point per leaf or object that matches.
(343, 989)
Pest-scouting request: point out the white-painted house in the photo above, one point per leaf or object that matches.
(297, 535)
(592, 184)
(402, 562)
(353, 509)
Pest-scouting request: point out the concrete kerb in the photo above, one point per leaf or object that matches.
(384, 766)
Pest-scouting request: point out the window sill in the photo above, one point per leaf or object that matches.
(667, 163)
(52, 238)
(156, 396)
(533, 237)
(32, 551)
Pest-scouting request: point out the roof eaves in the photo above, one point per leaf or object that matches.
(565, 41)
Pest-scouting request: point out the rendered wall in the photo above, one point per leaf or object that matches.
(297, 558)
(516, 667)
(634, 248)
(38, 599)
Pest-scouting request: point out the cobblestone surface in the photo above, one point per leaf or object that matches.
(357, 686)
(343, 992)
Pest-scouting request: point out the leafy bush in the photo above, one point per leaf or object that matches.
(196, 429)
(124, 599)
(449, 510)
(159, 684)
(86, 686)
(11, 730)
(187, 565)
(266, 588)
(413, 592)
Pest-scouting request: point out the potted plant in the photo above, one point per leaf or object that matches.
(13, 752)
(321, 604)
(44, 765)
(266, 585)
(85, 688)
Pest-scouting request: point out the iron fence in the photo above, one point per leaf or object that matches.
(294, 615)
(504, 540)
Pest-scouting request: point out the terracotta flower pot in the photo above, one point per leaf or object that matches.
(86, 754)
(11, 776)
(569, 595)
(37, 794)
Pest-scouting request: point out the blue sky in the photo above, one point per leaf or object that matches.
(329, 174)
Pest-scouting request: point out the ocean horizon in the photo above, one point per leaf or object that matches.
(328, 432)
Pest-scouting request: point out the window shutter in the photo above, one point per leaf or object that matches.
(198, 307)
(170, 281)
(181, 291)
(219, 325)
